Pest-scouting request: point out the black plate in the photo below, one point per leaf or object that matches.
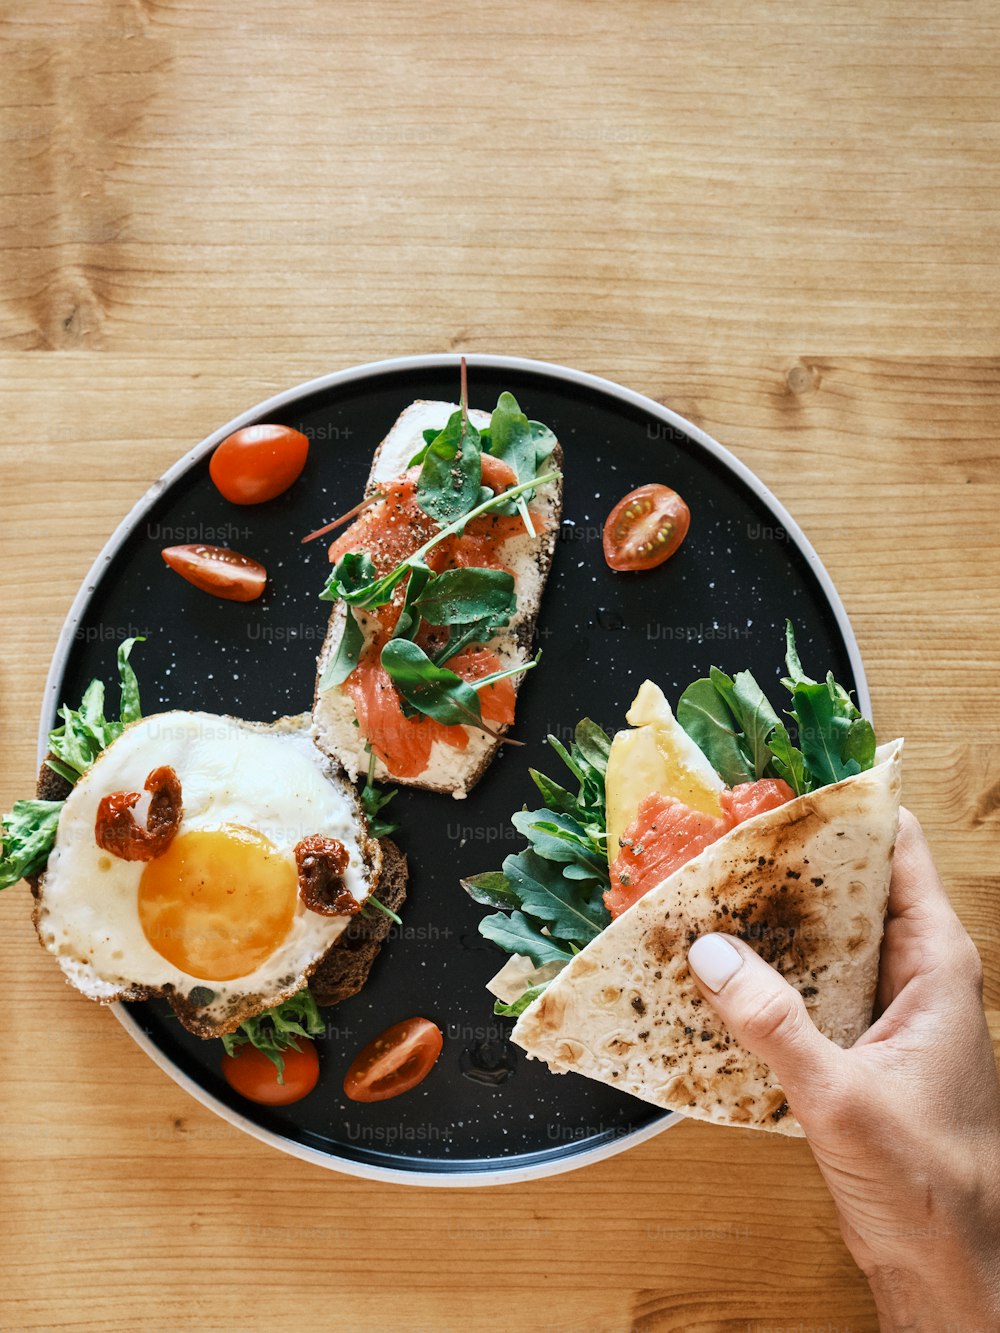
(485, 1112)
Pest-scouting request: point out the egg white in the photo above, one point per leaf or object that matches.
(271, 779)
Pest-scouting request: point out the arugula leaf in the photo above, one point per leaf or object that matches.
(518, 1006)
(130, 709)
(85, 731)
(29, 833)
(430, 689)
(492, 889)
(594, 744)
(836, 740)
(354, 580)
(823, 734)
(554, 889)
(588, 740)
(707, 718)
(451, 471)
(513, 441)
(545, 441)
(409, 617)
(755, 716)
(29, 830)
(511, 438)
(560, 837)
(570, 915)
(796, 676)
(277, 1029)
(788, 762)
(556, 798)
(345, 659)
(372, 801)
(517, 934)
(429, 436)
(860, 744)
(467, 595)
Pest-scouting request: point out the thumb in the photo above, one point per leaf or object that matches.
(766, 1015)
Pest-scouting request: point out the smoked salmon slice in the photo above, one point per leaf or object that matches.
(666, 834)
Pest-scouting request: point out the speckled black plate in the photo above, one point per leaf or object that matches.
(485, 1114)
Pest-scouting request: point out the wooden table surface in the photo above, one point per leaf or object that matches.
(783, 221)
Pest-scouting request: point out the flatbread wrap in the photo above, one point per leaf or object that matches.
(806, 885)
(718, 819)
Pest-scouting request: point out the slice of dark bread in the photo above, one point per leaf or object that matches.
(344, 968)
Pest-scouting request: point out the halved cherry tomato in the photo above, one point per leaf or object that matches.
(215, 569)
(250, 1073)
(396, 1061)
(645, 528)
(258, 462)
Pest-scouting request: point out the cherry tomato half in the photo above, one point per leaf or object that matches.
(250, 1073)
(258, 462)
(215, 569)
(645, 528)
(396, 1061)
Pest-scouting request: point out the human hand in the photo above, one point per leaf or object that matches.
(904, 1126)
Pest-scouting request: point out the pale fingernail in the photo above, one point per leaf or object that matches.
(714, 961)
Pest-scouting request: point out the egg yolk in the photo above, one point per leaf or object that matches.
(218, 903)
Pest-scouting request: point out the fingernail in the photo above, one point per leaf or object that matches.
(714, 961)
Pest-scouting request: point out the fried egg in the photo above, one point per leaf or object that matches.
(215, 922)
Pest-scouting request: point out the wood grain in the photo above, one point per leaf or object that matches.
(782, 222)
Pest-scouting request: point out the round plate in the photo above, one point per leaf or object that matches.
(485, 1114)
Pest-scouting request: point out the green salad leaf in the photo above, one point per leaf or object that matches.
(345, 659)
(512, 440)
(705, 714)
(29, 833)
(566, 906)
(29, 829)
(788, 762)
(732, 722)
(754, 715)
(277, 1029)
(491, 889)
(518, 1006)
(550, 897)
(374, 801)
(467, 595)
(435, 691)
(451, 470)
(410, 614)
(85, 731)
(519, 933)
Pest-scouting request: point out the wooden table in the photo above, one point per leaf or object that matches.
(782, 221)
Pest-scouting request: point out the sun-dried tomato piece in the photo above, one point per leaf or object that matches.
(118, 833)
(322, 862)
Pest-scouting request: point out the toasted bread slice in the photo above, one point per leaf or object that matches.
(383, 864)
(344, 969)
(529, 558)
